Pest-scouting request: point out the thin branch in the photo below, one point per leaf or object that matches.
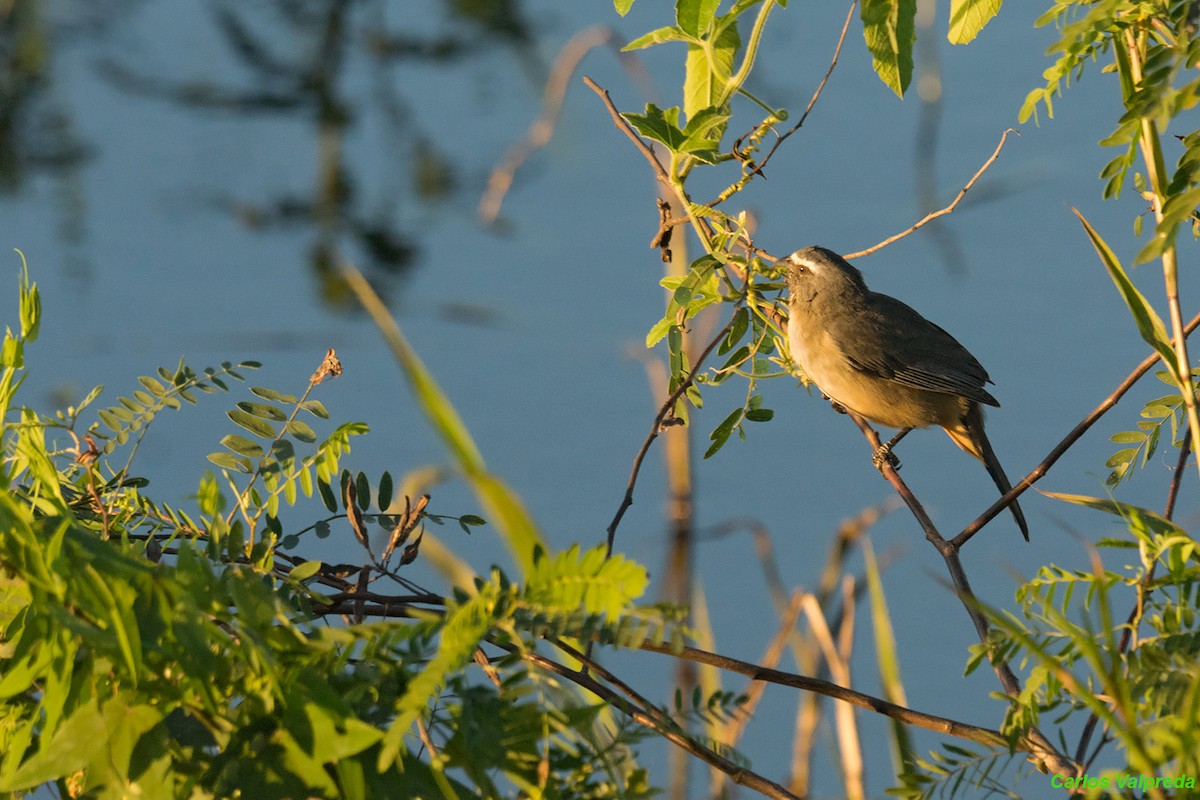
(1041, 469)
(739, 775)
(622, 124)
(941, 212)
(655, 428)
(1039, 745)
(758, 168)
(908, 716)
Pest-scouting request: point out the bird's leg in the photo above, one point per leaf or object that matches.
(884, 455)
(838, 407)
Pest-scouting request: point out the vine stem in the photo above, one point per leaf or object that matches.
(1148, 142)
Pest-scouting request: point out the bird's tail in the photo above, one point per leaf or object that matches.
(970, 436)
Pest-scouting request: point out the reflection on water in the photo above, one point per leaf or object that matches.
(341, 67)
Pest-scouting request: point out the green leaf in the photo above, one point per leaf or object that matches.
(301, 431)
(316, 408)
(659, 125)
(709, 66)
(327, 496)
(154, 386)
(255, 425)
(737, 329)
(230, 461)
(695, 17)
(465, 625)
(668, 34)
(1143, 517)
(502, 505)
(968, 18)
(274, 396)
(263, 411)
(660, 329)
(889, 30)
(623, 6)
(305, 570)
(590, 581)
(242, 446)
(1149, 324)
(384, 498)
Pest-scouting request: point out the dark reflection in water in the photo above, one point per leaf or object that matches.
(297, 60)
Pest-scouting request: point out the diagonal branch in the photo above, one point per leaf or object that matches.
(908, 716)
(1078, 431)
(641, 715)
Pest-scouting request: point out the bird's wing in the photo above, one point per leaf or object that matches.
(899, 344)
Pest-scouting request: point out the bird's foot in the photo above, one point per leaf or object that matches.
(838, 407)
(885, 457)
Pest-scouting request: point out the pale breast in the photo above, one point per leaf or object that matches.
(877, 398)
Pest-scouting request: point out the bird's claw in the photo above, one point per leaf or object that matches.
(885, 457)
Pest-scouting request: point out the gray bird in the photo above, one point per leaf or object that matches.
(877, 357)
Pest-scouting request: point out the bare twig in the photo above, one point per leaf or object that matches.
(908, 716)
(426, 742)
(660, 171)
(941, 212)
(1038, 472)
(655, 428)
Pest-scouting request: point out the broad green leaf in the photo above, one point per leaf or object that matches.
(695, 17)
(703, 129)
(968, 18)
(660, 125)
(1149, 324)
(708, 69)
(889, 30)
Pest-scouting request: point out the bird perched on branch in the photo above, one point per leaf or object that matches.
(877, 357)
